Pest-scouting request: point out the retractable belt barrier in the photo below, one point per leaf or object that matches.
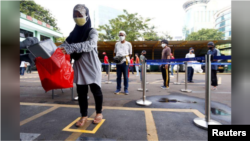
(182, 60)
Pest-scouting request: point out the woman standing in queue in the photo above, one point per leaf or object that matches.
(82, 47)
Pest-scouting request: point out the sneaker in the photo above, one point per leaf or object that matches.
(117, 91)
(214, 88)
(190, 81)
(163, 87)
(171, 76)
(126, 92)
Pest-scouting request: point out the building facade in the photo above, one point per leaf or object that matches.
(102, 14)
(31, 27)
(198, 14)
(223, 24)
(223, 21)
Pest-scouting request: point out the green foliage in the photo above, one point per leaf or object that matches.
(151, 35)
(60, 40)
(205, 34)
(134, 25)
(38, 12)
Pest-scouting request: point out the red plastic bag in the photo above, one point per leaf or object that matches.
(56, 76)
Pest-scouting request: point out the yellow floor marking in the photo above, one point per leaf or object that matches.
(76, 135)
(219, 80)
(110, 107)
(83, 131)
(198, 113)
(151, 128)
(38, 115)
(121, 93)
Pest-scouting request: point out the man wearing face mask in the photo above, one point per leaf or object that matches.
(123, 49)
(165, 67)
(214, 52)
(190, 66)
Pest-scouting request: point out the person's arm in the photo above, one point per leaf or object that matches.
(85, 46)
(168, 56)
(107, 59)
(115, 48)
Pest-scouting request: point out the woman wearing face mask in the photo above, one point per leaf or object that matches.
(190, 66)
(82, 47)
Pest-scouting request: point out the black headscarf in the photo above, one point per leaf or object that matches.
(80, 33)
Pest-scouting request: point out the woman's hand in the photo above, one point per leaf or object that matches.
(63, 50)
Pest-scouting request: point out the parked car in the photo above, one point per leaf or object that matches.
(197, 68)
(221, 68)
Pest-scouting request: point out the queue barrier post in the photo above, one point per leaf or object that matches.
(177, 77)
(141, 89)
(186, 75)
(143, 101)
(204, 122)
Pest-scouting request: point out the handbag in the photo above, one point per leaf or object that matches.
(118, 59)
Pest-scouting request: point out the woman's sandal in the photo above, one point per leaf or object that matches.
(98, 119)
(81, 122)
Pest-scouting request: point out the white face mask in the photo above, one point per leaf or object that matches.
(163, 45)
(121, 38)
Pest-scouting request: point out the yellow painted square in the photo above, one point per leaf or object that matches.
(67, 128)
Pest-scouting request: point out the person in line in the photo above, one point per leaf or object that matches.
(137, 61)
(81, 44)
(28, 68)
(172, 66)
(190, 66)
(132, 64)
(165, 68)
(123, 48)
(106, 62)
(22, 67)
(214, 52)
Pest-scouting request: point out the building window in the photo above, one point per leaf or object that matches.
(26, 33)
(42, 38)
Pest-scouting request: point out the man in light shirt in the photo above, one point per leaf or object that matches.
(190, 66)
(22, 67)
(124, 49)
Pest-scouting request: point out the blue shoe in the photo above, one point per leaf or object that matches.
(126, 92)
(117, 91)
(163, 87)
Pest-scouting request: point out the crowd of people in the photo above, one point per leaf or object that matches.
(81, 44)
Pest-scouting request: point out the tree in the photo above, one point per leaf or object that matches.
(133, 24)
(151, 35)
(205, 34)
(167, 36)
(38, 12)
(60, 40)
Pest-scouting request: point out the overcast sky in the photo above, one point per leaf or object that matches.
(168, 15)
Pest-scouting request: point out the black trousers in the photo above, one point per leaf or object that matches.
(214, 78)
(106, 68)
(82, 91)
(190, 73)
(165, 75)
(132, 69)
(29, 69)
